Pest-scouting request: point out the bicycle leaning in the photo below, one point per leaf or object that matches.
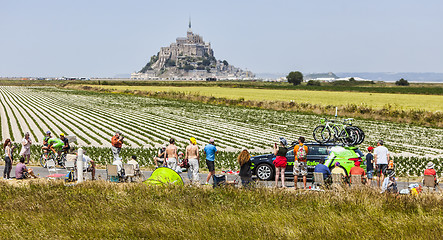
(332, 131)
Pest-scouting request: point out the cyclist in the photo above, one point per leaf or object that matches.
(66, 146)
(45, 142)
(56, 145)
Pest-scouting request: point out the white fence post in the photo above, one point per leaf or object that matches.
(80, 165)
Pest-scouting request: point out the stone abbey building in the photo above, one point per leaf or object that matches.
(189, 58)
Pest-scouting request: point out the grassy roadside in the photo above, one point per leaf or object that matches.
(99, 210)
(387, 112)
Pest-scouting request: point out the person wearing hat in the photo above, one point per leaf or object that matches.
(210, 151)
(192, 154)
(300, 165)
(431, 171)
(370, 164)
(381, 160)
(117, 142)
(45, 142)
(357, 170)
(280, 161)
(66, 146)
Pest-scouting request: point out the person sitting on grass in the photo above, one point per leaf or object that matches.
(357, 170)
(21, 172)
(431, 171)
(321, 168)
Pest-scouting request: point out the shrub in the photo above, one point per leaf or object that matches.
(402, 82)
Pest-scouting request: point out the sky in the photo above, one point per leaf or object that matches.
(104, 38)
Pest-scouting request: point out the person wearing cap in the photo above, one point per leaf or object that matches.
(171, 153)
(357, 170)
(210, 151)
(192, 154)
(389, 183)
(66, 146)
(339, 170)
(370, 164)
(117, 142)
(26, 148)
(431, 171)
(159, 160)
(381, 160)
(280, 161)
(300, 165)
(45, 141)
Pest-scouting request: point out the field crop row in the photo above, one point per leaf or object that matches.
(149, 122)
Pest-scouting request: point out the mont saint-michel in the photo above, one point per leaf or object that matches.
(189, 58)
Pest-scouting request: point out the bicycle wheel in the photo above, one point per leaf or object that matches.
(355, 135)
(361, 135)
(43, 159)
(62, 160)
(321, 134)
(349, 136)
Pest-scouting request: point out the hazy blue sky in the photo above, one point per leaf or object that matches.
(104, 38)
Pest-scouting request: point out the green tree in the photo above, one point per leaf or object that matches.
(313, 83)
(351, 79)
(402, 82)
(295, 77)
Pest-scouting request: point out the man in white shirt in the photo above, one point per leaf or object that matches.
(381, 160)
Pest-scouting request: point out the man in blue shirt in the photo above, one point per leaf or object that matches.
(210, 151)
(321, 168)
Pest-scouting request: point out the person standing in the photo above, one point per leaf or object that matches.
(245, 168)
(381, 160)
(280, 161)
(369, 164)
(65, 140)
(300, 166)
(117, 142)
(210, 151)
(192, 154)
(7, 146)
(26, 148)
(171, 152)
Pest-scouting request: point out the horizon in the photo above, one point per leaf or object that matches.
(109, 38)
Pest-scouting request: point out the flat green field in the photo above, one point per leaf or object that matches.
(375, 100)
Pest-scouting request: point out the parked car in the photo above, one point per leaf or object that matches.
(264, 169)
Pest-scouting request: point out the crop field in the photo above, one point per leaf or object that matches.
(375, 100)
(148, 122)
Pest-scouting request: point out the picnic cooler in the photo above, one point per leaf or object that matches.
(219, 180)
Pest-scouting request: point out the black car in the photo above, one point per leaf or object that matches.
(264, 169)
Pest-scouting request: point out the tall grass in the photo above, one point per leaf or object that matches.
(99, 210)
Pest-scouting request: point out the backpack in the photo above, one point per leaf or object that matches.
(69, 177)
(301, 152)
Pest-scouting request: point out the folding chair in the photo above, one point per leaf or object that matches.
(429, 182)
(112, 173)
(318, 179)
(356, 180)
(50, 165)
(129, 171)
(337, 179)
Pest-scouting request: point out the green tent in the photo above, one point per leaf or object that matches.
(164, 175)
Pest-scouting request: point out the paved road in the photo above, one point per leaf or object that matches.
(101, 174)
